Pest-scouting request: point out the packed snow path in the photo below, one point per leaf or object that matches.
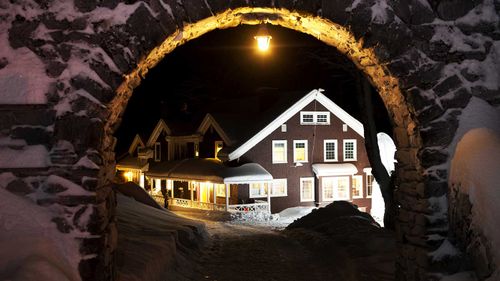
(259, 252)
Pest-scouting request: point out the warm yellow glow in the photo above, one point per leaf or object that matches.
(129, 176)
(263, 42)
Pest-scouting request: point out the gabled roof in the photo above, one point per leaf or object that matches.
(208, 121)
(160, 127)
(137, 142)
(290, 112)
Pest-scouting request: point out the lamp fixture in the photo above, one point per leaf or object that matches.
(263, 38)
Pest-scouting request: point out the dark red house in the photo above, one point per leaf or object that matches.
(316, 154)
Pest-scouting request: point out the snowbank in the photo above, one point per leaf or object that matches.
(31, 246)
(153, 241)
(475, 169)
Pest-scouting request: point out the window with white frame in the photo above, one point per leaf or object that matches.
(369, 185)
(357, 186)
(327, 189)
(258, 189)
(283, 128)
(300, 151)
(279, 151)
(314, 117)
(330, 150)
(220, 190)
(157, 152)
(335, 188)
(350, 153)
(307, 189)
(279, 187)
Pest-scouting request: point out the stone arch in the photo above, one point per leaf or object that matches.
(95, 52)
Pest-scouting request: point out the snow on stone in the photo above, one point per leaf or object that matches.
(167, 8)
(32, 247)
(17, 85)
(85, 162)
(453, 36)
(445, 250)
(439, 207)
(379, 11)
(353, 6)
(72, 188)
(475, 171)
(482, 13)
(31, 156)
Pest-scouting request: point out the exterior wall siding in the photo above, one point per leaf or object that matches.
(314, 134)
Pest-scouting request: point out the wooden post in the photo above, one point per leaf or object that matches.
(227, 196)
(269, 186)
(191, 186)
(214, 194)
(171, 184)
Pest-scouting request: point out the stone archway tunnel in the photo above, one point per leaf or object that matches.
(67, 70)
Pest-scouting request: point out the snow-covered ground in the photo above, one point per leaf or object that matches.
(31, 247)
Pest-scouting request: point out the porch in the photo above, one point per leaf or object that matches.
(207, 185)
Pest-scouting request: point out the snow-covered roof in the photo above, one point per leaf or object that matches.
(323, 169)
(212, 170)
(130, 162)
(247, 173)
(290, 112)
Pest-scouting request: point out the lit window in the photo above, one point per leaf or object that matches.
(314, 118)
(330, 150)
(279, 187)
(306, 189)
(279, 151)
(258, 189)
(369, 185)
(220, 190)
(357, 186)
(157, 152)
(218, 147)
(335, 188)
(350, 150)
(344, 127)
(300, 151)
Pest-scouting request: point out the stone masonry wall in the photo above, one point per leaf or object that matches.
(64, 66)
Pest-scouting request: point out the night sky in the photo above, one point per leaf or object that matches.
(223, 67)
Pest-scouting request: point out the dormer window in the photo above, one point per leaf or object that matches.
(315, 118)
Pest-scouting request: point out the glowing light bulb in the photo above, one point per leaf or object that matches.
(263, 42)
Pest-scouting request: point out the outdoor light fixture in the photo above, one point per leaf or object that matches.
(263, 38)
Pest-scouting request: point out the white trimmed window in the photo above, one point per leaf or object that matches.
(279, 188)
(369, 185)
(335, 188)
(258, 190)
(357, 186)
(315, 118)
(299, 151)
(307, 189)
(157, 152)
(350, 153)
(220, 190)
(283, 128)
(330, 150)
(279, 151)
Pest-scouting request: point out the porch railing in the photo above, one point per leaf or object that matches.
(258, 206)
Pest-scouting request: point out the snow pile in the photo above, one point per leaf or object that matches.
(32, 247)
(445, 250)
(475, 171)
(152, 242)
